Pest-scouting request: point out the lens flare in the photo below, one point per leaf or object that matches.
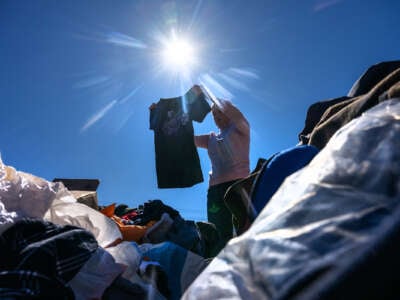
(179, 54)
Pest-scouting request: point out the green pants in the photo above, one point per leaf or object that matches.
(218, 213)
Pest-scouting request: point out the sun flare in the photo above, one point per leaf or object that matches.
(179, 54)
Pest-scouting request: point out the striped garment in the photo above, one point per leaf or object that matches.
(41, 255)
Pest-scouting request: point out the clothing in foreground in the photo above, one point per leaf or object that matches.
(331, 231)
(177, 160)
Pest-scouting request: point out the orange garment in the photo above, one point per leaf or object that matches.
(129, 232)
(108, 210)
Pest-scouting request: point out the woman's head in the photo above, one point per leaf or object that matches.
(220, 119)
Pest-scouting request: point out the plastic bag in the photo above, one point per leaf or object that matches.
(65, 210)
(23, 195)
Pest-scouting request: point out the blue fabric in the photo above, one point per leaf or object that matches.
(277, 169)
(172, 259)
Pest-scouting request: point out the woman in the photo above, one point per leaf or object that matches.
(229, 155)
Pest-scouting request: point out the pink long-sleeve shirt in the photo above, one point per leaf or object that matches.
(229, 149)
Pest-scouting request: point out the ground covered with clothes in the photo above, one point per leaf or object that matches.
(320, 220)
(54, 246)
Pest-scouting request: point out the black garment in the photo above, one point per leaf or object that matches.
(123, 289)
(177, 160)
(342, 113)
(324, 118)
(314, 115)
(38, 258)
(182, 232)
(209, 238)
(23, 285)
(57, 252)
(123, 209)
(238, 198)
(185, 234)
(372, 77)
(152, 211)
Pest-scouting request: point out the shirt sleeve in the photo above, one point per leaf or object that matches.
(197, 105)
(235, 116)
(201, 140)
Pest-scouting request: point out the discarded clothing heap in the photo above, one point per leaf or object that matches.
(52, 254)
(154, 222)
(248, 197)
(51, 246)
(329, 229)
(320, 220)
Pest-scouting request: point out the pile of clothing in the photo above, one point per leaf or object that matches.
(320, 220)
(52, 246)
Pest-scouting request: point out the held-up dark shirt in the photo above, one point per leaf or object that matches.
(177, 160)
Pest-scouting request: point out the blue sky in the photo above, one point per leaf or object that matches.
(77, 78)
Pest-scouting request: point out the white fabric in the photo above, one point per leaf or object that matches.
(64, 211)
(23, 195)
(128, 254)
(7, 219)
(157, 233)
(95, 276)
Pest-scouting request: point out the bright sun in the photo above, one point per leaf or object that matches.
(179, 54)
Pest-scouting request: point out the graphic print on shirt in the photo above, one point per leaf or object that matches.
(174, 122)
